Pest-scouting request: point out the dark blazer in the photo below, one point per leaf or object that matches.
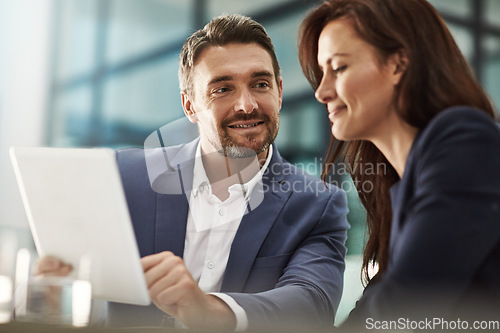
(445, 237)
(287, 259)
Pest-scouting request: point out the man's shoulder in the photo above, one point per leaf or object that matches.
(134, 155)
(295, 178)
(139, 152)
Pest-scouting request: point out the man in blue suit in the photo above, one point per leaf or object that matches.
(232, 236)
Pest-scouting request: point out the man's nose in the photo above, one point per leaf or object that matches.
(245, 102)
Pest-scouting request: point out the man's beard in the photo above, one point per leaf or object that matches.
(249, 148)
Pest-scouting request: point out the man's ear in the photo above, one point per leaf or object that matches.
(280, 87)
(400, 62)
(188, 107)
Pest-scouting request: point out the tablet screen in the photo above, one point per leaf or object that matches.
(76, 207)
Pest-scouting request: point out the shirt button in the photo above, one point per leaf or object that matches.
(221, 212)
(210, 265)
(201, 188)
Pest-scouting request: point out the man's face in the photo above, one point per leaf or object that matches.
(236, 100)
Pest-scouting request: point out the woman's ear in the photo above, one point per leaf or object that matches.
(399, 61)
(188, 107)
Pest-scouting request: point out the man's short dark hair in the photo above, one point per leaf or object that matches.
(220, 31)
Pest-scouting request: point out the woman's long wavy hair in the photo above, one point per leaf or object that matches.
(437, 77)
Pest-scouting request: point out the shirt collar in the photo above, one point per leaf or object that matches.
(201, 182)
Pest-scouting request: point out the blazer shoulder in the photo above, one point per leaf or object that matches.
(296, 179)
(154, 162)
(460, 123)
(130, 159)
(456, 151)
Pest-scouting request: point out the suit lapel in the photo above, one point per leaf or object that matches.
(254, 228)
(172, 213)
(171, 217)
(172, 209)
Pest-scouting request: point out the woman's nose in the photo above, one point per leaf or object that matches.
(326, 90)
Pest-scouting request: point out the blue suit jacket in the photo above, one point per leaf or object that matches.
(445, 236)
(286, 262)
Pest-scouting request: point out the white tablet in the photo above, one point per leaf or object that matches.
(76, 207)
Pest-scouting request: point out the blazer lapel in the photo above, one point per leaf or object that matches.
(254, 228)
(172, 209)
(171, 217)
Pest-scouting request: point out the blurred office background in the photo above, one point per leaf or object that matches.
(104, 73)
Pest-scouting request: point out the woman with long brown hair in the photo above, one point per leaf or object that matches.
(399, 92)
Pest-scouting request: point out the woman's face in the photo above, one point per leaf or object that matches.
(357, 86)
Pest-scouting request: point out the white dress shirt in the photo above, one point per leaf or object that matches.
(211, 227)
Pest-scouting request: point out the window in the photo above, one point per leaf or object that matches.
(115, 70)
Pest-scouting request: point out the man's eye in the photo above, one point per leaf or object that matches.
(262, 85)
(221, 90)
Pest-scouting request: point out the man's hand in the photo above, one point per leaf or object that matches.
(50, 266)
(174, 291)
